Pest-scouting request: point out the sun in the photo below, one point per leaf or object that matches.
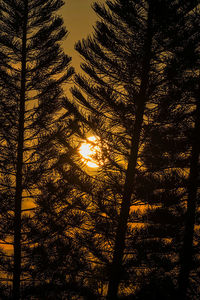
(91, 152)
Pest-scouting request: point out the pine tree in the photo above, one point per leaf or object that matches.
(58, 266)
(125, 62)
(33, 69)
(173, 148)
(188, 60)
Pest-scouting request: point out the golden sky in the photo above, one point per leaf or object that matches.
(79, 19)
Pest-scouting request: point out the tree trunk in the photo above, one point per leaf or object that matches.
(19, 175)
(186, 256)
(119, 247)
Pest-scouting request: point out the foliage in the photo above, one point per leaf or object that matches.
(32, 71)
(126, 81)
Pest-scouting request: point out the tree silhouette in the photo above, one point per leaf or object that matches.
(118, 232)
(58, 260)
(188, 61)
(173, 149)
(125, 62)
(33, 69)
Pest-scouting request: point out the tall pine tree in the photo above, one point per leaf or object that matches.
(173, 150)
(124, 62)
(32, 70)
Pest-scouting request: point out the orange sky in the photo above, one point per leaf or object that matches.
(79, 19)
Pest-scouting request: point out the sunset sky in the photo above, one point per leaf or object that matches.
(79, 19)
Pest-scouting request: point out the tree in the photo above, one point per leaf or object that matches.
(190, 91)
(176, 150)
(58, 266)
(33, 69)
(125, 63)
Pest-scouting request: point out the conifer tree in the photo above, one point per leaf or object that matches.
(58, 265)
(188, 60)
(173, 148)
(124, 62)
(32, 70)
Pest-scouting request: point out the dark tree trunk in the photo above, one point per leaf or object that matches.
(119, 247)
(186, 257)
(19, 176)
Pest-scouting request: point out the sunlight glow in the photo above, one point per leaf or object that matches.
(90, 152)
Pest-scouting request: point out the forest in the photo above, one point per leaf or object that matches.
(100, 169)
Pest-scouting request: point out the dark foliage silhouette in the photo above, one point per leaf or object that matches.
(32, 71)
(125, 63)
(129, 229)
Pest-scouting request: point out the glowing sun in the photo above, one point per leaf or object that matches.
(91, 152)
